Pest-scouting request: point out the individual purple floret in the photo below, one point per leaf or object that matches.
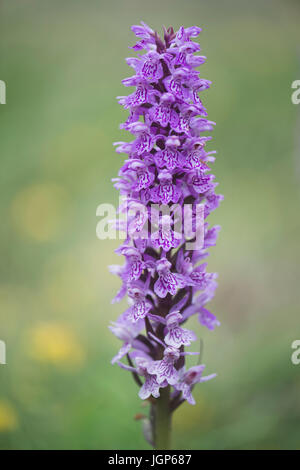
(167, 166)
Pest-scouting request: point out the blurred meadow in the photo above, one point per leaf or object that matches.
(63, 62)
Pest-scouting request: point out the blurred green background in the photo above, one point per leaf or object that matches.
(63, 62)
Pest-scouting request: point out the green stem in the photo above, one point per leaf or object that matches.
(162, 420)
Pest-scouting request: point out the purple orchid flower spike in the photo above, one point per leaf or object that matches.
(165, 178)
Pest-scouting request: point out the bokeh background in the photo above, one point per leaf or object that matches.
(63, 62)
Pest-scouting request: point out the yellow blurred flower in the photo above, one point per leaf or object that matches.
(38, 210)
(8, 417)
(55, 343)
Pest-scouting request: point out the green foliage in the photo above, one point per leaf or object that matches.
(63, 63)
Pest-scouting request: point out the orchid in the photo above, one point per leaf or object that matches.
(167, 165)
